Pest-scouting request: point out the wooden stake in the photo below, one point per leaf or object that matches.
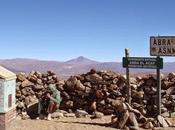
(158, 90)
(128, 79)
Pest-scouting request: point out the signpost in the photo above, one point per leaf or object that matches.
(158, 90)
(144, 63)
(159, 46)
(128, 80)
(162, 46)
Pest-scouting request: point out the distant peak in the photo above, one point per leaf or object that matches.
(81, 59)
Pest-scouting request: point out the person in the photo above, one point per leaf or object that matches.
(50, 102)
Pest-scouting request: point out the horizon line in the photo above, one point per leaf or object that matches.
(52, 60)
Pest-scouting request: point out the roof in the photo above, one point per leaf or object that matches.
(6, 74)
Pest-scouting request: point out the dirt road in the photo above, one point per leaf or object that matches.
(63, 124)
(67, 124)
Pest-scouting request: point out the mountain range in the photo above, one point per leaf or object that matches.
(74, 66)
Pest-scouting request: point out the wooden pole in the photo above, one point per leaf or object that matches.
(158, 90)
(128, 79)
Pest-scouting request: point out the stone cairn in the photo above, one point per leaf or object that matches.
(102, 93)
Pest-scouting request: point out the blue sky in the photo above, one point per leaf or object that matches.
(97, 29)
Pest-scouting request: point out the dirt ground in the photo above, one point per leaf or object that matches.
(68, 124)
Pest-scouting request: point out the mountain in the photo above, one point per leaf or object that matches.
(81, 61)
(64, 69)
(75, 66)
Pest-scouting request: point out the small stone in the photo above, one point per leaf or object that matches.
(102, 102)
(114, 119)
(69, 115)
(142, 119)
(165, 114)
(79, 86)
(20, 105)
(168, 122)
(88, 84)
(170, 91)
(171, 75)
(123, 120)
(69, 104)
(24, 92)
(26, 83)
(18, 118)
(167, 84)
(32, 78)
(133, 80)
(66, 95)
(138, 95)
(57, 115)
(98, 114)
(93, 106)
(118, 104)
(27, 101)
(133, 121)
(80, 113)
(99, 94)
(173, 114)
(94, 78)
(38, 74)
(21, 77)
(71, 82)
(62, 111)
(162, 121)
(148, 125)
(25, 116)
(164, 109)
(39, 81)
(38, 87)
(50, 73)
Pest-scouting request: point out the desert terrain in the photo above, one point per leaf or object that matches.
(70, 124)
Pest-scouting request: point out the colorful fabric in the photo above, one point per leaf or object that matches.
(56, 96)
(52, 107)
(49, 105)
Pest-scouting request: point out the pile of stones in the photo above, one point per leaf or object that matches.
(29, 88)
(103, 92)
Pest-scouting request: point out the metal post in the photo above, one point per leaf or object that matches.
(128, 80)
(158, 90)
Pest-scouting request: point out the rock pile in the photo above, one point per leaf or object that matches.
(92, 91)
(100, 91)
(130, 118)
(29, 88)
